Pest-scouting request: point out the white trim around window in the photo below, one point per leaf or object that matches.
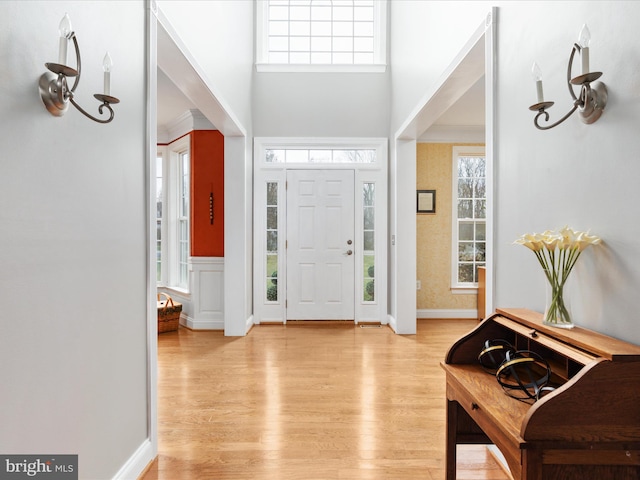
(172, 181)
(475, 224)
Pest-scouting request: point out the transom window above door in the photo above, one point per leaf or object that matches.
(321, 35)
(320, 156)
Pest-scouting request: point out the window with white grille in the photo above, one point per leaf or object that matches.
(160, 192)
(183, 220)
(469, 215)
(321, 33)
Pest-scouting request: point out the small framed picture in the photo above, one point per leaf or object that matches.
(426, 201)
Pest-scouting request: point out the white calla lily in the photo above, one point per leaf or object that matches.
(557, 253)
(532, 242)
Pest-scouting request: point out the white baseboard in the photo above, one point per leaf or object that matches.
(249, 324)
(136, 464)
(436, 313)
(392, 323)
(202, 324)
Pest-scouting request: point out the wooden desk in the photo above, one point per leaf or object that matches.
(586, 429)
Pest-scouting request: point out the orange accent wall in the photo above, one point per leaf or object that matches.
(207, 175)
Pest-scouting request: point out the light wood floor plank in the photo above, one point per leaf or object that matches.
(308, 401)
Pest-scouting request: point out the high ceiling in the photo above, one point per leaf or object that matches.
(469, 110)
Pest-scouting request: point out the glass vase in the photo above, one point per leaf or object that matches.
(557, 312)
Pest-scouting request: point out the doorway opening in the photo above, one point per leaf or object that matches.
(473, 67)
(320, 230)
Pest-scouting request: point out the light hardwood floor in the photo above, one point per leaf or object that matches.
(308, 401)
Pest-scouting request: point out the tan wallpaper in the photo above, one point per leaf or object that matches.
(434, 231)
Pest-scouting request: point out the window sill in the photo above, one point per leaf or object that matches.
(182, 292)
(308, 68)
(464, 290)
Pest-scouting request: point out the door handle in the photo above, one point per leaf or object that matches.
(349, 252)
(349, 242)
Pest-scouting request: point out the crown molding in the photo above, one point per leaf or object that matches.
(189, 121)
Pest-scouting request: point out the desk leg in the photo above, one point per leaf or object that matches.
(532, 464)
(452, 426)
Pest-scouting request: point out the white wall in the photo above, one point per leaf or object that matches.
(585, 176)
(73, 246)
(321, 104)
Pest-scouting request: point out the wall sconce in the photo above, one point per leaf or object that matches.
(55, 91)
(593, 96)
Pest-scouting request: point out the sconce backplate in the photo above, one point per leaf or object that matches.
(49, 85)
(594, 105)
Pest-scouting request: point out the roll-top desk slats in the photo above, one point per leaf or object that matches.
(586, 429)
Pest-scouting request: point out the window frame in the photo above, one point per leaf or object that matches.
(379, 64)
(170, 235)
(182, 218)
(368, 205)
(457, 152)
(161, 153)
(277, 253)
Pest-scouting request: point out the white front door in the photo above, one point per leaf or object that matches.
(320, 245)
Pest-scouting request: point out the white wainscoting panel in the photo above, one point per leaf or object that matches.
(206, 275)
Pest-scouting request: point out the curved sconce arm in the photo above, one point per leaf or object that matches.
(542, 111)
(78, 62)
(105, 99)
(576, 48)
(100, 109)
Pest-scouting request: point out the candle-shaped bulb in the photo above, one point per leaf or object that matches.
(107, 63)
(584, 39)
(536, 72)
(537, 76)
(65, 34)
(65, 27)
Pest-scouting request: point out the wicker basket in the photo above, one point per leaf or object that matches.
(168, 314)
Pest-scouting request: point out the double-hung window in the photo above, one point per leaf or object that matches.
(469, 216)
(321, 35)
(172, 215)
(160, 201)
(182, 220)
